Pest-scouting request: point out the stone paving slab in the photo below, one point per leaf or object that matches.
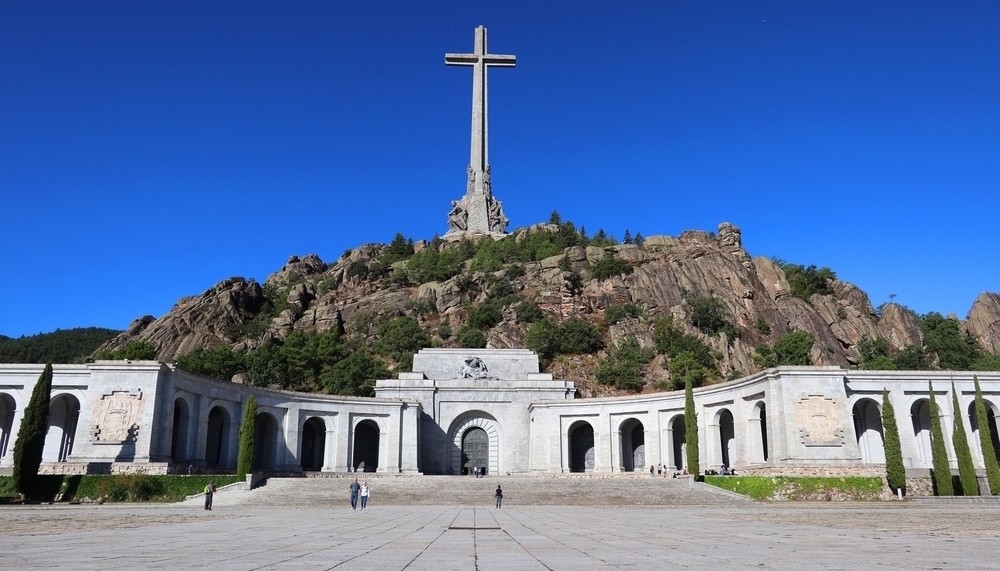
(792, 536)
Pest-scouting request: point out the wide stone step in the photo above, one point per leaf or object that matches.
(470, 491)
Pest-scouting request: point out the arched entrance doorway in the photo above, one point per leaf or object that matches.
(7, 406)
(313, 444)
(475, 451)
(265, 442)
(678, 441)
(920, 416)
(868, 430)
(727, 436)
(366, 446)
(179, 435)
(64, 412)
(633, 452)
(217, 438)
(581, 447)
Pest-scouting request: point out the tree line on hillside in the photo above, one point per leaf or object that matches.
(59, 346)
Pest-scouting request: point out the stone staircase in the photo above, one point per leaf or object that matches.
(470, 491)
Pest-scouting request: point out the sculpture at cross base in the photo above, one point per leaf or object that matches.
(478, 212)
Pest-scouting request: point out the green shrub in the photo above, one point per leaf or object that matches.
(528, 312)
(543, 338)
(939, 454)
(514, 271)
(355, 375)
(31, 434)
(608, 266)
(134, 351)
(986, 442)
(960, 442)
(579, 336)
(670, 340)
(895, 471)
(912, 358)
(244, 460)
(623, 365)
(691, 433)
(805, 281)
(792, 349)
(218, 362)
(956, 351)
(471, 338)
(763, 326)
(484, 316)
(710, 316)
(685, 369)
(615, 313)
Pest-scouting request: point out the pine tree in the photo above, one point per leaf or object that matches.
(638, 240)
(966, 468)
(244, 462)
(895, 472)
(31, 435)
(691, 431)
(627, 239)
(939, 454)
(986, 442)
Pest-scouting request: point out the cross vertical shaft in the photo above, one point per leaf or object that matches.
(478, 211)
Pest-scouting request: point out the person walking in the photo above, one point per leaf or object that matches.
(364, 496)
(499, 496)
(209, 492)
(355, 488)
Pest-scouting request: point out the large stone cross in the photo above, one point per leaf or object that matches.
(478, 212)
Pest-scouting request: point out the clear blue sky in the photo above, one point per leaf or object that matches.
(150, 149)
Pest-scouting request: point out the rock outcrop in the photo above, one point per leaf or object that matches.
(348, 296)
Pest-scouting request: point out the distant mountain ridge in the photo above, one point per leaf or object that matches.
(443, 284)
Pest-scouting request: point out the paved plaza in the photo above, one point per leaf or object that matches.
(739, 536)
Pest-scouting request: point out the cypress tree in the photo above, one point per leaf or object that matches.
(244, 462)
(986, 442)
(31, 434)
(895, 472)
(691, 431)
(939, 454)
(966, 468)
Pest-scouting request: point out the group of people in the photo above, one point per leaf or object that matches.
(361, 491)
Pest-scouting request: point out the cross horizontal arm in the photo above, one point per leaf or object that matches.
(498, 60)
(461, 59)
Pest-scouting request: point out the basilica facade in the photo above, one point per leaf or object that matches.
(489, 409)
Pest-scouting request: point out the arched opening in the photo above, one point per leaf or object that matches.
(265, 442)
(633, 439)
(313, 444)
(581, 447)
(475, 451)
(678, 440)
(974, 427)
(760, 428)
(868, 430)
(179, 436)
(217, 437)
(64, 412)
(920, 416)
(727, 435)
(366, 443)
(7, 407)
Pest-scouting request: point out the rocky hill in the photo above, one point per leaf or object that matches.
(751, 300)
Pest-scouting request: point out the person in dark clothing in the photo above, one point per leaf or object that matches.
(499, 496)
(355, 488)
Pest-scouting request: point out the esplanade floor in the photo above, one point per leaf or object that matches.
(792, 536)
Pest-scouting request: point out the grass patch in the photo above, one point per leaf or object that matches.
(117, 487)
(801, 489)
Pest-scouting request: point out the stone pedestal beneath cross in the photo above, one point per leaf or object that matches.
(478, 212)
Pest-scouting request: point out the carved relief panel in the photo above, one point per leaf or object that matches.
(116, 417)
(820, 421)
